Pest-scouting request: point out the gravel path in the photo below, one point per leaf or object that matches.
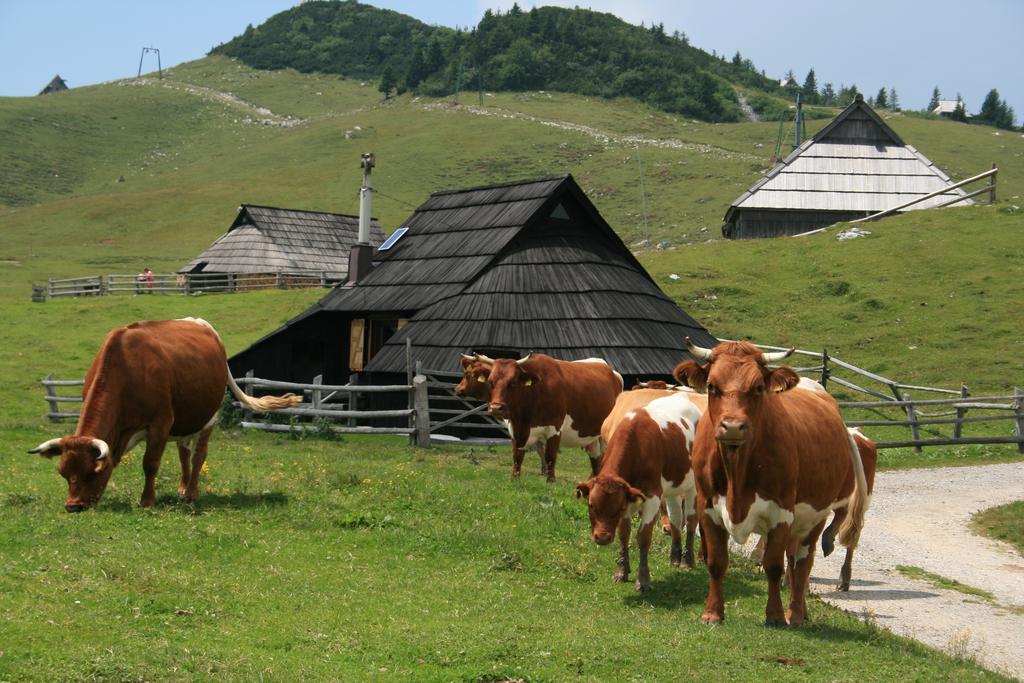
(920, 518)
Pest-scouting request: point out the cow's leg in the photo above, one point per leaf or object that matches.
(517, 459)
(539, 447)
(801, 572)
(828, 536)
(156, 440)
(198, 458)
(551, 454)
(691, 528)
(595, 450)
(714, 542)
(674, 507)
(666, 523)
(622, 564)
(185, 456)
(643, 541)
(774, 562)
(846, 573)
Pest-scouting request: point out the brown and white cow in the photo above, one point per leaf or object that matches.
(153, 380)
(646, 463)
(771, 461)
(550, 402)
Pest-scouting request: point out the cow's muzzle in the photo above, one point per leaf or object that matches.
(732, 433)
(498, 410)
(602, 538)
(74, 507)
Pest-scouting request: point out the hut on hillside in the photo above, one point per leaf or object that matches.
(854, 167)
(501, 270)
(56, 85)
(267, 247)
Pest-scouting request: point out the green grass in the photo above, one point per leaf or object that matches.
(365, 559)
(1003, 523)
(940, 581)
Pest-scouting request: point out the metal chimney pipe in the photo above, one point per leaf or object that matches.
(365, 204)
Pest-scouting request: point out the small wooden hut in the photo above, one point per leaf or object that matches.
(855, 166)
(265, 245)
(501, 270)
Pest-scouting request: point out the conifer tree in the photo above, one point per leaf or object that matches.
(934, 101)
(810, 88)
(894, 102)
(881, 100)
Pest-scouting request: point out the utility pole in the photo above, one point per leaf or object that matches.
(159, 68)
(643, 195)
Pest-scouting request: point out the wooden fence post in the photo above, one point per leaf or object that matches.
(1018, 408)
(188, 283)
(961, 413)
(825, 372)
(992, 184)
(422, 408)
(39, 293)
(51, 398)
(278, 282)
(317, 394)
(246, 413)
(915, 430)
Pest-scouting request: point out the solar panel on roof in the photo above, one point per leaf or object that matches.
(390, 241)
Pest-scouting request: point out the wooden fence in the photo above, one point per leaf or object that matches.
(177, 283)
(431, 406)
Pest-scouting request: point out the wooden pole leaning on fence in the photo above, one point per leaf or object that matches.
(991, 189)
(915, 429)
(1018, 409)
(51, 398)
(961, 413)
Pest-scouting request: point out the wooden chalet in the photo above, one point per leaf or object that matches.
(854, 167)
(266, 243)
(56, 85)
(501, 270)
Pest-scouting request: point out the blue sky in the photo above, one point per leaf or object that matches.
(962, 47)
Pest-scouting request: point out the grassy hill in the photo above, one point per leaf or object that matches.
(945, 282)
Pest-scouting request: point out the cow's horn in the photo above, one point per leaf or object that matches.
(465, 357)
(776, 356)
(698, 351)
(102, 447)
(45, 446)
(484, 359)
(524, 358)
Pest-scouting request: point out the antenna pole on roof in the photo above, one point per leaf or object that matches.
(643, 195)
(799, 117)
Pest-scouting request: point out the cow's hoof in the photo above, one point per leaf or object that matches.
(643, 587)
(182, 490)
(827, 546)
(620, 577)
(775, 622)
(712, 618)
(795, 619)
(515, 474)
(843, 586)
(676, 562)
(551, 479)
(688, 560)
(147, 502)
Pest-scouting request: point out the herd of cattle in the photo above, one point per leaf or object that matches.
(741, 448)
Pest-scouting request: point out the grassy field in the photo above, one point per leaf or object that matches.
(363, 558)
(1004, 523)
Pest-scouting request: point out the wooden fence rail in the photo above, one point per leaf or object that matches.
(177, 283)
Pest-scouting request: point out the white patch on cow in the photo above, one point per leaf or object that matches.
(802, 551)
(805, 517)
(690, 493)
(762, 517)
(649, 510)
(631, 415)
(810, 385)
(675, 409)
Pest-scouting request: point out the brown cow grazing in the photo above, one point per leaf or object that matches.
(646, 463)
(869, 458)
(771, 461)
(154, 380)
(552, 402)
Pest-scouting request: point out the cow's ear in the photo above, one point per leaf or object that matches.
(634, 494)
(583, 490)
(692, 374)
(48, 449)
(782, 379)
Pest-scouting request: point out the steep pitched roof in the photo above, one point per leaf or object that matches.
(564, 285)
(55, 85)
(856, 163)
(266, 239)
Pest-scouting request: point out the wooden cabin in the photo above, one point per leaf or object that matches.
(267, 247)
(501, 270)
(855, 166)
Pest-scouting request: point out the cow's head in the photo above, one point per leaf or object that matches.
(737, 380)
(609, 499)
(513, 382)
(85, 463)
(474, 383)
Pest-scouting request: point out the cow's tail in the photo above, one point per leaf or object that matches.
(849, 531)
(263, 404)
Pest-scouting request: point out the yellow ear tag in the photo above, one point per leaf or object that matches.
(481, 378)
(528, 382)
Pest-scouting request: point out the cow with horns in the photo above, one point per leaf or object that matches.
(153, 380)
(770, 461)
(545, 402)
(646, 466)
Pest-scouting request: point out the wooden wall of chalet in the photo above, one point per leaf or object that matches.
(757, 223)
(315, 346)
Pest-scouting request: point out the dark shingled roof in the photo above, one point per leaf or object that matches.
(570, 288)
(265, 239)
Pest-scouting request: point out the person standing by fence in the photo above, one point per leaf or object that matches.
(149, 280)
